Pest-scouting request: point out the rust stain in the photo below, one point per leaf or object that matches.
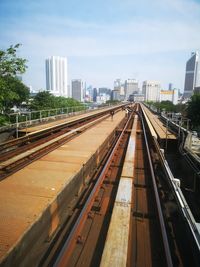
(54, 218)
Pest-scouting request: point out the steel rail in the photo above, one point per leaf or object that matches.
(160, 215)
(24, 143)
(66, 250)
(15, 147)
(61, 126)
(12, 165)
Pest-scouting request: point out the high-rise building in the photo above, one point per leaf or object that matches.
(130, 87)
(94, 94)
(115, 95)
(170, 86)
(120, 88)
(192, 74)
(104, 90)
(151, 90)
(88, 94)
(56, 76)
(77, 89)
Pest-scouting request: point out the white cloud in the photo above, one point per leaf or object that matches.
(122, 39)
(148, 34)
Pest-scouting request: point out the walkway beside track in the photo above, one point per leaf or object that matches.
(34, 199)
(158, 126)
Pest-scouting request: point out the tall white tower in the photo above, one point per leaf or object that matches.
(56, 76)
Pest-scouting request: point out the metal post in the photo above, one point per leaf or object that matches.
(179, 129)
(17, 124)
(166, 135)
(26, 124)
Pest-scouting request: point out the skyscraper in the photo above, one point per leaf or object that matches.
(192, 74)
(151, 90)
(94, 94)
(56, 76)
(77, 89)
(120, 87)
(130, 87)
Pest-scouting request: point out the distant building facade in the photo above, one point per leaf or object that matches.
(119, 86)
(197, 90)
(77, 89)
(170, 86)
(102, 98)
(56, 76)
(169, 95)
(94, 94)
(115, 95)
(192, 74)
(136, 97)
(130, 87)
(151, 90)
(104, 90)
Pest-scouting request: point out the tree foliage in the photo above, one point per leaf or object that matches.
(45, 100)
(193, 110)
(163, 106)
(10, 64)
(12, 91)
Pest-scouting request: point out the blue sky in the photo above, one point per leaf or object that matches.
(104, 40)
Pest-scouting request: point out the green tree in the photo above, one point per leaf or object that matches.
(193, 110)
(44, 100)
(10, 64)
(12, 91)
(167, 106)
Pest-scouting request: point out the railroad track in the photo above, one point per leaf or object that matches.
(84, 242)
(129, 207)
(181, 228)
(88, 218)
(20, 152)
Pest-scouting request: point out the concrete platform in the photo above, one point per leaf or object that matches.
(35, 201)
(158, 126)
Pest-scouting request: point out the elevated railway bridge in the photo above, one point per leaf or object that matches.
(96, 190)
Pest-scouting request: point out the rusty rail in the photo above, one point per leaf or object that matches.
(73, 237)
(12, 165)
(14, 144)
(160, 214)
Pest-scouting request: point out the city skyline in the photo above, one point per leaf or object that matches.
(105, 40)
